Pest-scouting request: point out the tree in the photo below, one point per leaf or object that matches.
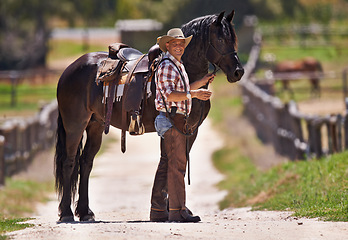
(24, 33)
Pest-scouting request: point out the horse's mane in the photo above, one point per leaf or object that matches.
(199, 28)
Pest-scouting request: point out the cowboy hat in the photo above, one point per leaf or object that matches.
(174, 33)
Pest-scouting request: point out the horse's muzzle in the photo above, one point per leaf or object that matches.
(237, 75)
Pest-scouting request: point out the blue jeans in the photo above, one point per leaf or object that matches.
(162, 124)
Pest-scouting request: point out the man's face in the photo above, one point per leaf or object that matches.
(176, 48)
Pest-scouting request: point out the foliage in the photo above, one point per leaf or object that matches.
(24, 33)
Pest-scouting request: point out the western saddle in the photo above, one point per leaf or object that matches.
(132, 69)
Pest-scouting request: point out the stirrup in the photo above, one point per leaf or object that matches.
(136, 127)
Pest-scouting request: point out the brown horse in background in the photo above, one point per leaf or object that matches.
(306, 67)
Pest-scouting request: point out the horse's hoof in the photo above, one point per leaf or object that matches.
(87, 218)
(66, 219)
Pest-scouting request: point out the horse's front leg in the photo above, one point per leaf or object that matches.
(94, 138)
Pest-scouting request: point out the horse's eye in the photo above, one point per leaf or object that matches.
(220, 40)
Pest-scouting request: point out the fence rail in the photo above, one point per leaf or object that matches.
(293, 134)
(21, 139)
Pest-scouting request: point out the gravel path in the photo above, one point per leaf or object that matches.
(120, 189)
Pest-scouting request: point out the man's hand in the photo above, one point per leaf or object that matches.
(208, 78)
(201, 94)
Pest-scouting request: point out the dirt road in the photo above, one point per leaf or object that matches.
(120, 189)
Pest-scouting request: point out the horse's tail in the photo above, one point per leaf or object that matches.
(61, 156)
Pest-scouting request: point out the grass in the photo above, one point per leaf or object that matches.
(18, 196)
(9, 225)
(17, 199)
(310, 189)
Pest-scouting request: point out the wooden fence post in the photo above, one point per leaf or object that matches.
(314, 138)
(345, 87)
(14, 75)
(333, 127)
(2, 160)
(345, 126)
(339, 132)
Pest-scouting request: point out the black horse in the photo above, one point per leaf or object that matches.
(81, 109)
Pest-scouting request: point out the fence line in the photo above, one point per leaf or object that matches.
(16, 77)
(293, 134)
(21, 139)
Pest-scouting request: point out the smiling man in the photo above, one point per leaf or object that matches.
(174, 95)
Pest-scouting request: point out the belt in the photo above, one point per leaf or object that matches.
(177, 111)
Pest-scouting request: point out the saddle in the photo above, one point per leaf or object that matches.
(126, 72)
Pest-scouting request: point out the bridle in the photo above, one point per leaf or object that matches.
(221, 55)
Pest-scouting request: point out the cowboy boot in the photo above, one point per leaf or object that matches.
(159, 197)
(183, 215)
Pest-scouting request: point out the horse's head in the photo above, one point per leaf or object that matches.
(222, 49)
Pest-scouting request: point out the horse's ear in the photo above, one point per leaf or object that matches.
(219, 18)
(230, 16)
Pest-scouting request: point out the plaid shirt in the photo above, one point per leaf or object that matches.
(168, 79)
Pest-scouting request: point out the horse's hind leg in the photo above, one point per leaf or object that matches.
(69, 175)
(94, 138)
